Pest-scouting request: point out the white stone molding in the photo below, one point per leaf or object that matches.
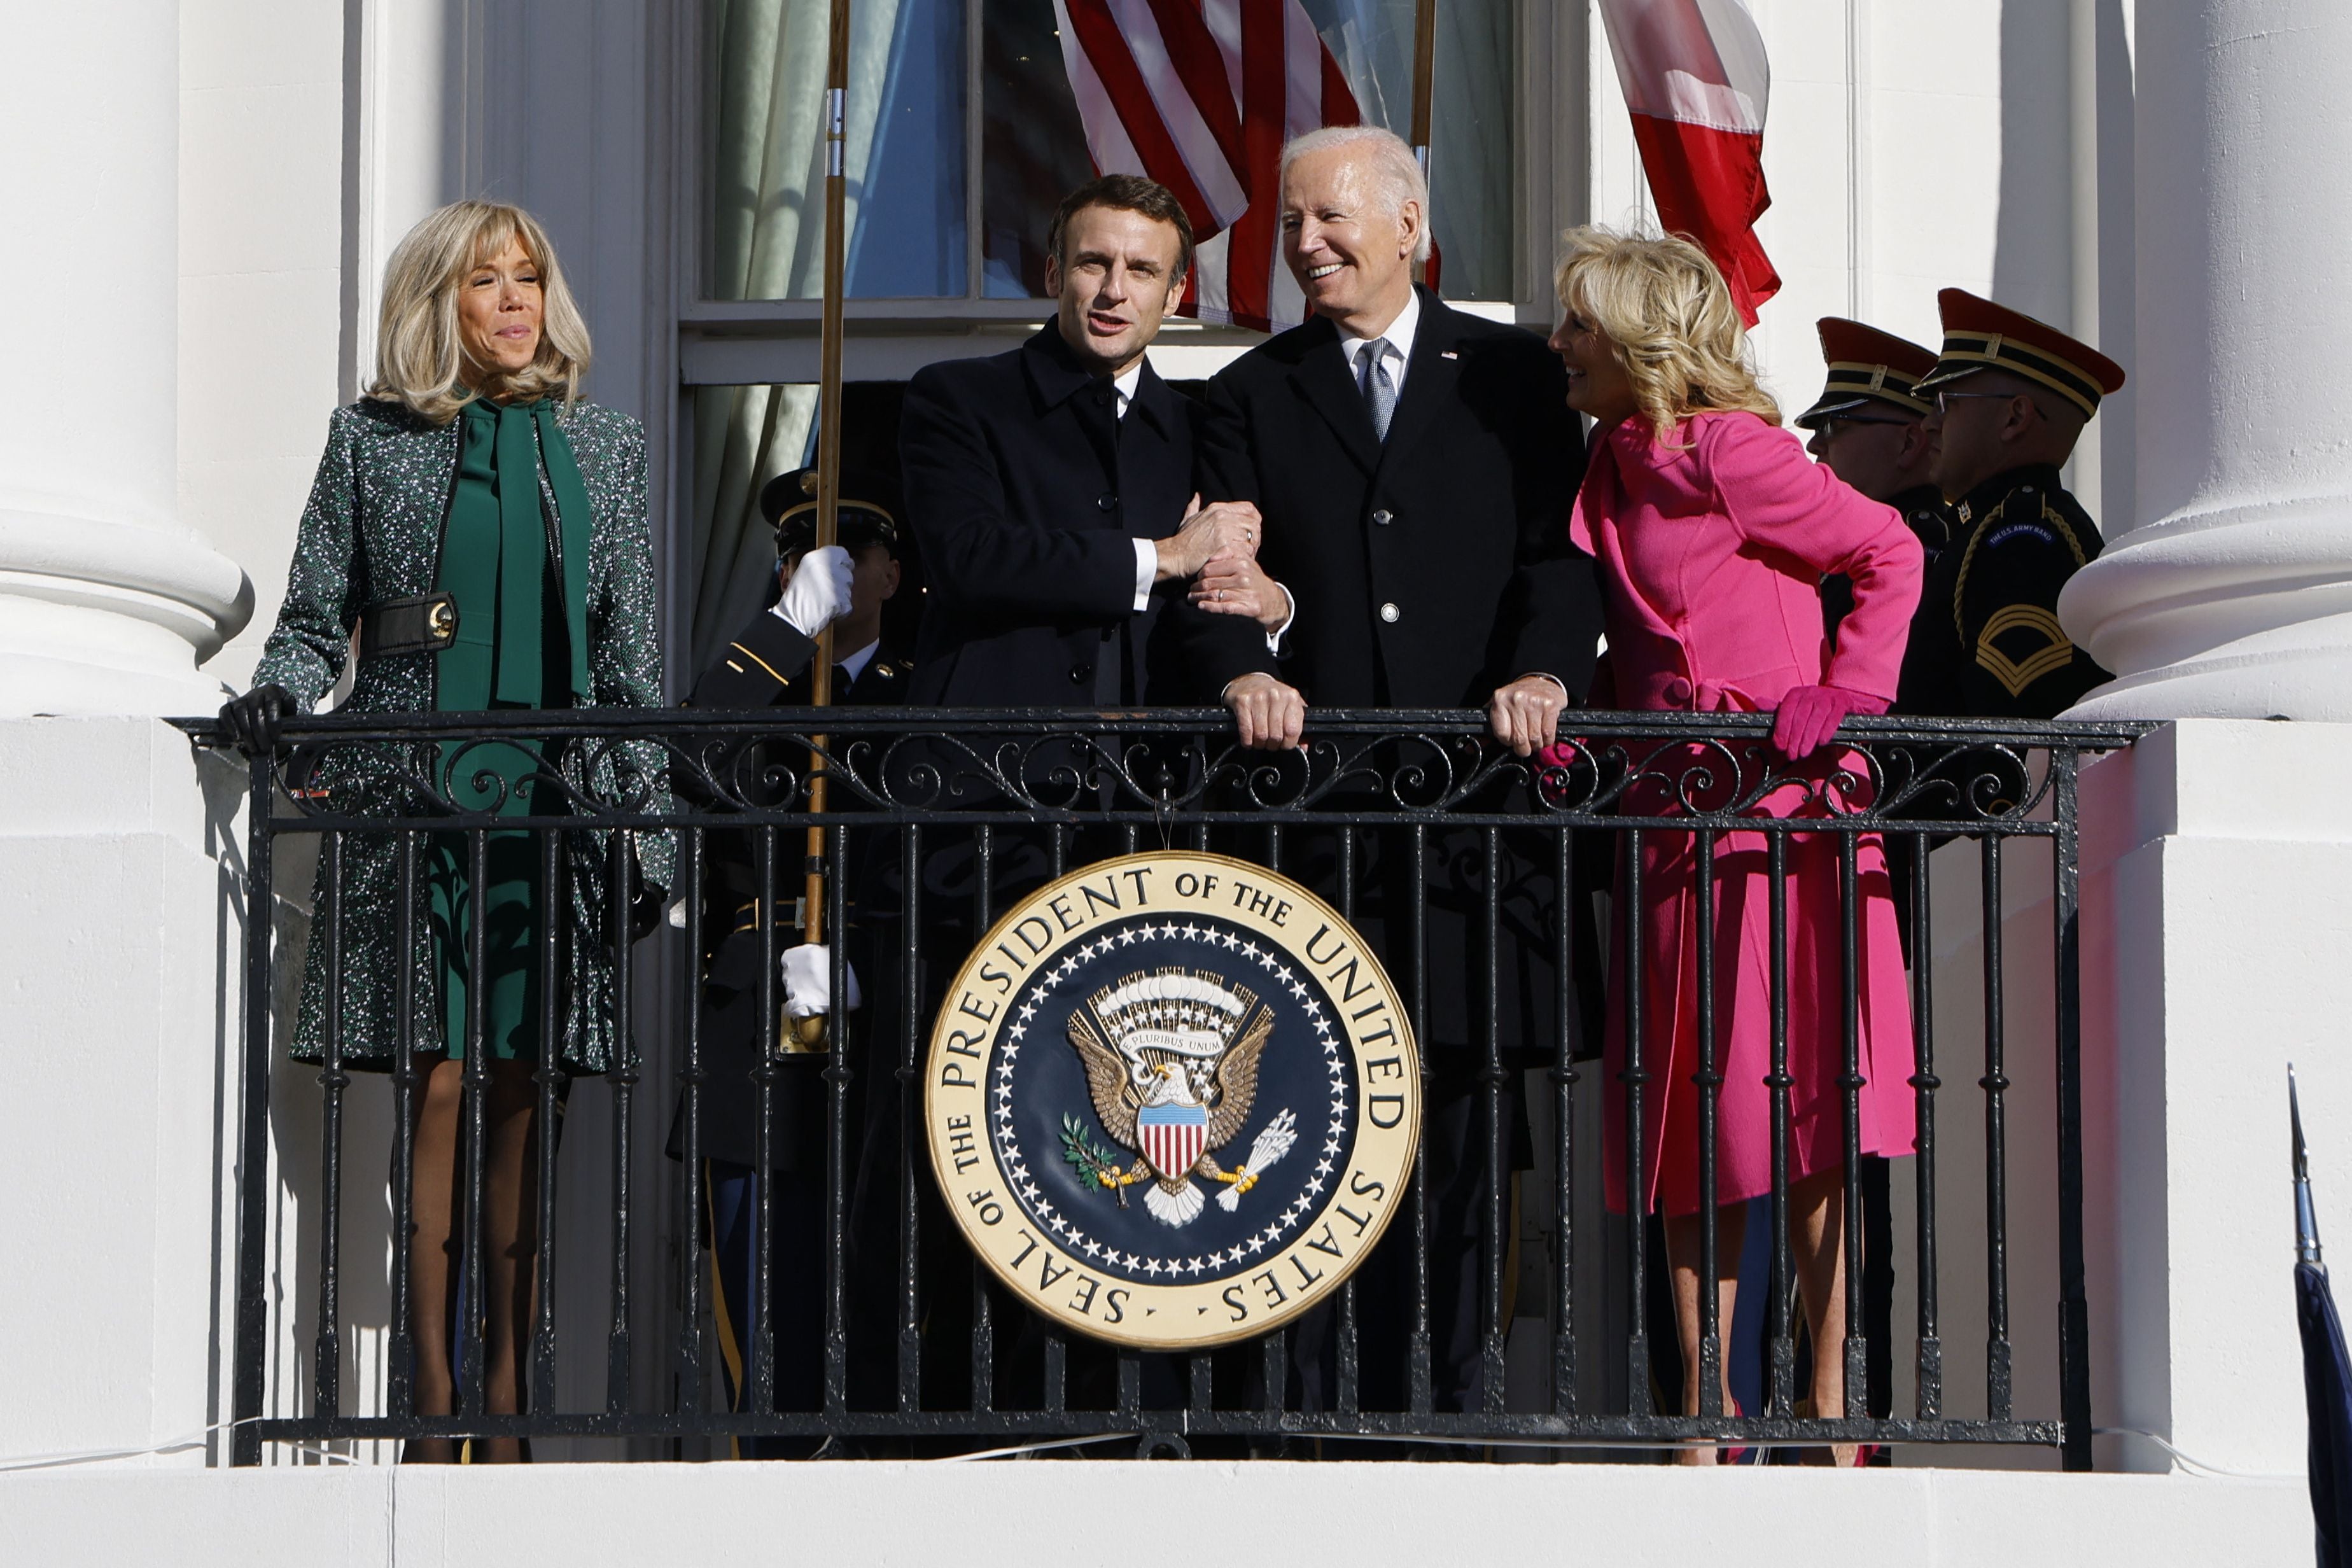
(107, 601)
(2235, 598)
(108, 617)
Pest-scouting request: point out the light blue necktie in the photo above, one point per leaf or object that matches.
(1379, 390)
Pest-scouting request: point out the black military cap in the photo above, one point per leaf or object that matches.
(868, 513)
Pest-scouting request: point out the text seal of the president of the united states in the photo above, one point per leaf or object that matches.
(1172, 1100)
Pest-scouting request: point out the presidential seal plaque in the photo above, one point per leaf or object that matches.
(1173, 1101)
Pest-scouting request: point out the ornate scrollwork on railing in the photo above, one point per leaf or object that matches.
(619, 764)
(1893, 781)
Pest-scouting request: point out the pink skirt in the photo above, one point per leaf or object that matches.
(1816, 1047)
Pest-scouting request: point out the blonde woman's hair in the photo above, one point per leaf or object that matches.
(1669, 317)
(418, 357)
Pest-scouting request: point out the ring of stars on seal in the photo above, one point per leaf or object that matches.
(1015, 1158)
(1171, 1100)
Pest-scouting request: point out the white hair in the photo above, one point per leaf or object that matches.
(1386, 161)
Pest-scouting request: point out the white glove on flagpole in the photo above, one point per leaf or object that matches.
(808, 980)
(818, 593)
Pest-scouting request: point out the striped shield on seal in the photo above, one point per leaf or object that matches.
(1172, 1136)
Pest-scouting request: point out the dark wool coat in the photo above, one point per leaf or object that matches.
(1427, 569)
(1434, 567)
(1027, 492)
(371, 531)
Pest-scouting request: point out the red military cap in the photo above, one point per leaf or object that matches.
(1981, 335)
(1867, 366)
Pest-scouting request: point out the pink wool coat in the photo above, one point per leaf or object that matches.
(1711, 549)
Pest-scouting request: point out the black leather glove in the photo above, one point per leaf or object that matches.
(647, 909)
(253, 719)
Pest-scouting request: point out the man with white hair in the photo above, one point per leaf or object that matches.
(1414, 467)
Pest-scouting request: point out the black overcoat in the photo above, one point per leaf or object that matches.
(1026, 492)
(1426, 571)
(1429, 569)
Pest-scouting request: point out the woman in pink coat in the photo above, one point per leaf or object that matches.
(1713, 531)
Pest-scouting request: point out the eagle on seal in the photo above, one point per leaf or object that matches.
(1171, 1058)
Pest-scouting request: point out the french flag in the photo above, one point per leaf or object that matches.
(1695, 77)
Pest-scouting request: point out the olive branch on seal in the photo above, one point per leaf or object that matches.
(1093, 1161)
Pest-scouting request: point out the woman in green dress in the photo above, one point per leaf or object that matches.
(483, 532)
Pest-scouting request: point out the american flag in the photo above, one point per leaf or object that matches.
(1200, 95)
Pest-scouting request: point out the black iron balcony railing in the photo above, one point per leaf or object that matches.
(1566, 1337)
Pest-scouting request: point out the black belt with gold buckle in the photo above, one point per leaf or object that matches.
(421, 622)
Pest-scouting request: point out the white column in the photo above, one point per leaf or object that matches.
(107, 603)
(2234, 599)
(2216, 907)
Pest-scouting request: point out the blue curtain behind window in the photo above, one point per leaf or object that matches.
(908, 242)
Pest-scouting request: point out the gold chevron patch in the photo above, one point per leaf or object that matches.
(2015, 674)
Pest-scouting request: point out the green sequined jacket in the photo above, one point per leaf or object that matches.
(372, 531)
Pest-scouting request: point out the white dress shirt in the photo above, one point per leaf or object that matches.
(854, 665)
(1147, 555)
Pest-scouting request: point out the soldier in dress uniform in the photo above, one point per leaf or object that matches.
(1867, 427)
(2011, 397)
(766, 666)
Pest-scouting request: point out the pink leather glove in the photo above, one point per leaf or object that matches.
(1809, 715)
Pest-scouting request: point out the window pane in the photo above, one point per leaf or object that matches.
(764, 117)
(1474, 168)
(1034, 146)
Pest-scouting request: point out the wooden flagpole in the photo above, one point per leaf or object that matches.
(1424, 99)
(828, 449)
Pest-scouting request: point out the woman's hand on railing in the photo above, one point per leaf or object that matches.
(1809, 715)
(253, 719)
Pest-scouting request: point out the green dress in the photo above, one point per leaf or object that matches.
(514, 555)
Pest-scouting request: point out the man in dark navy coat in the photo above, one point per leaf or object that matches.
(1415, 467)
(1051, 489)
